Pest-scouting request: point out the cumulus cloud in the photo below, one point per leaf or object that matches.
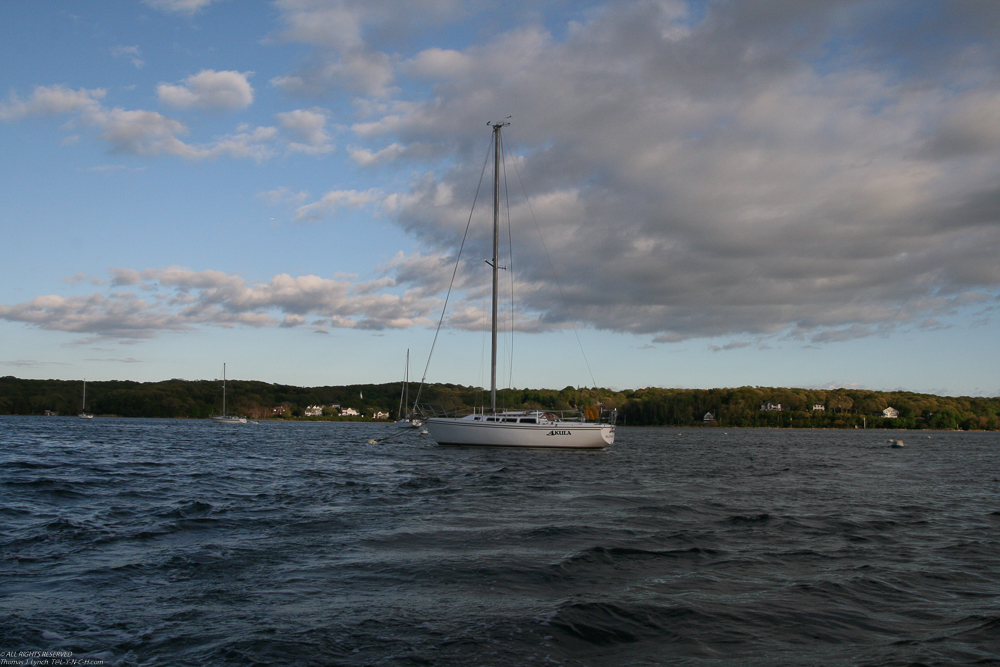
(209, 89)
(370, 74)
(820, 171)
(338, 30)
(752, 171)
(441, 64)
(137, 131)
(51, 101)
(181, 300)
(306, 130)
(143, 304)
(367, 158)
(247, 142)
(148, 133)
(113, 315)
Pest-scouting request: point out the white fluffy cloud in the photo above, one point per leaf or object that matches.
(209, 89)
(51, 101)
(150, 133)
(177, 300)
(142, 304)
(367, 158)
(306, 130)
(338, 29)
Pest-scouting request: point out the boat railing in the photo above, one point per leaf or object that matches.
(425, 410)
(604, 416)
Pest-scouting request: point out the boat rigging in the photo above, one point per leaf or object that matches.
(590, 429)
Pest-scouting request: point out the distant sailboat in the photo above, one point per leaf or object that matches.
(224, 418)
(592, 428)
(83, 410)
(410, 420)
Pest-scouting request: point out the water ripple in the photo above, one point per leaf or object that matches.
(172, 542)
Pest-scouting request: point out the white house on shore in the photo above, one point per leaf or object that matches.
(770, 407)
(890, 413)
(349, 412)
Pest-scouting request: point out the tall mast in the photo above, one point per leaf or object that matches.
(223, 389)
(496, 259)
(404, 397)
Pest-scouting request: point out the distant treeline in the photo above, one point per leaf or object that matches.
(740, 407)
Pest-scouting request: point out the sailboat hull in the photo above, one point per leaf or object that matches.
(554, 435)
(227, 419)
(528, 428)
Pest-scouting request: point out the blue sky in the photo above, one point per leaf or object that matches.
(729, 193)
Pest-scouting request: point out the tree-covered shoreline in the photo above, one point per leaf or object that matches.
(730, 407)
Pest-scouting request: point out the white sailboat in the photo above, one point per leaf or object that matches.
(224, 418)
(590, 429)
(410, 420)
(83, 410)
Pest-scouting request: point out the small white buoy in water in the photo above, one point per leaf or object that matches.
(895, 443)
(372, 442)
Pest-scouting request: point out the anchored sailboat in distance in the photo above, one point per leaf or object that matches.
(224, 418)
(83, 410)
(410, 420)
(591, 429)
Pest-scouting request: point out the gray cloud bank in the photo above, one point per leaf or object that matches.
(814, 170)
(819, 170)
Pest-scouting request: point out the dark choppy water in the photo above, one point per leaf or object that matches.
(160, 542)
